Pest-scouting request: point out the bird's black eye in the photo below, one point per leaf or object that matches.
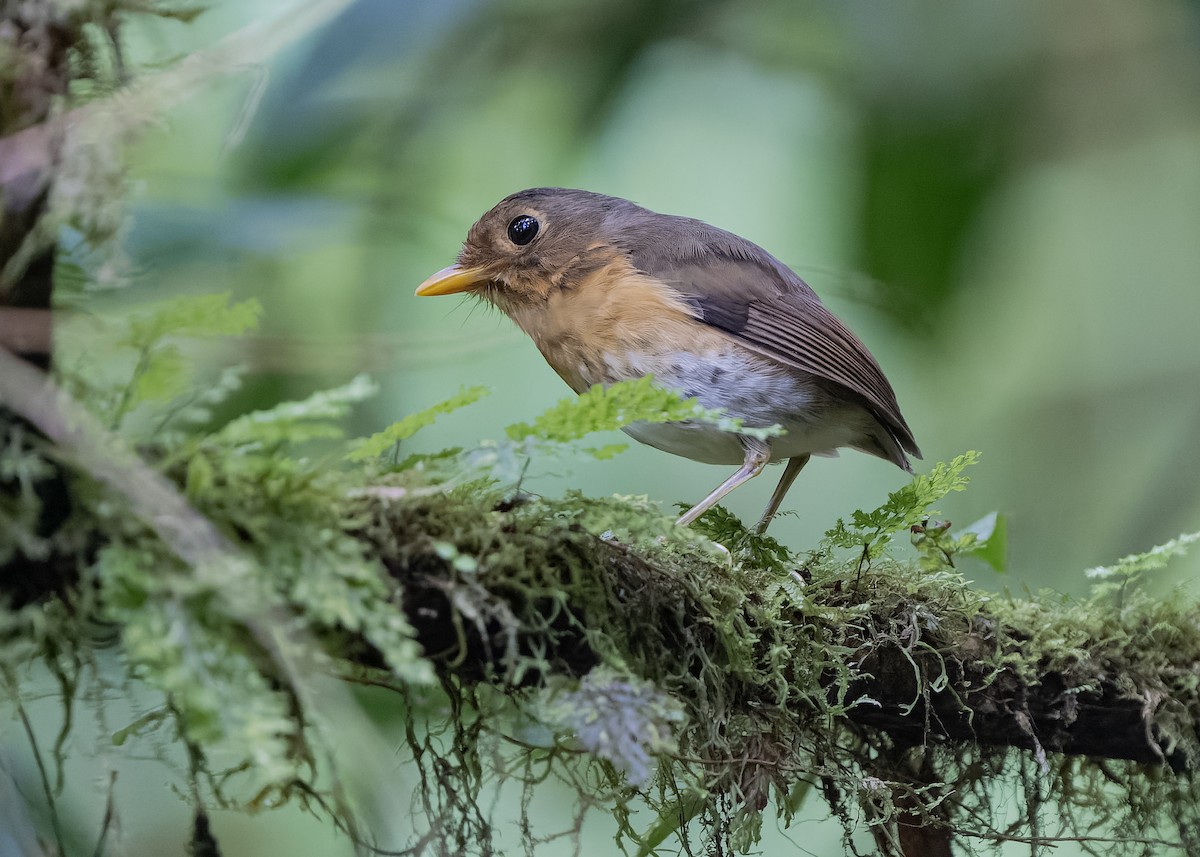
(522, 230)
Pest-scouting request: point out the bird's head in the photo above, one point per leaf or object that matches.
(533, 243)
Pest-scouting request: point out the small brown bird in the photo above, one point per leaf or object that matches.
(610, 291)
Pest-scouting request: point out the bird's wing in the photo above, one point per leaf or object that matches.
(747, 293)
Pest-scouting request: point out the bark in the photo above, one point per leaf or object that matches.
(977, 704)
(38, 43)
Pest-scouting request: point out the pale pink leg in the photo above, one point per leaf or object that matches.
(790, 472)
(757, 456)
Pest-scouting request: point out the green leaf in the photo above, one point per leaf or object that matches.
(294, 422)
(380, 442)
(1135, 564)
(193, 315)
(165, 376)
(673, 818)
(905, 507)
(606, 408)
(604, 453)
(991, 540)
(201, 476)
(791, 805)
(141, 725)
(425, 460)
(758, 549)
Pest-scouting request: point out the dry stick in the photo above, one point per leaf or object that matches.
(43, 774)
(20, 831)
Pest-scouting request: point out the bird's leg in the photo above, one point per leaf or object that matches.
(757, 456)
(790, 472)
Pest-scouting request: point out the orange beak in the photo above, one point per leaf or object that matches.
(452, 280)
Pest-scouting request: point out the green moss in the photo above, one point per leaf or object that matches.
(768, 674)
(694, 677)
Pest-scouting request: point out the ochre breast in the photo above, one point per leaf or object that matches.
(608, 326)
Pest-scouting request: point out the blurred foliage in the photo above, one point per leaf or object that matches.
(1000, 200)
(1003, 200)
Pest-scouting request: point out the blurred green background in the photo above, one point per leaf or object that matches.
(1003, 200)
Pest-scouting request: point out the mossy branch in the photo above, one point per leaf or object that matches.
(701, 679)
(933, 660)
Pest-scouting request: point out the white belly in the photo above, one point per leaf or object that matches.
(752, 389)
(701, 442)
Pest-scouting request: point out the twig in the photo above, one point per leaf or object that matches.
(43, 774)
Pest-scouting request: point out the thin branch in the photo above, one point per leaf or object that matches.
(43, 774)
